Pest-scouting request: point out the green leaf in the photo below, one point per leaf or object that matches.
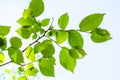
(47, 49)
(77, 53)
(63, 21)
(66, 60)
(100, 35)
(37, 7)
(37, 47)
(34, 36)
(75, 39)
(46, 66)
(21, 69)
(3, 42)
(51, 33)
(15, 42)
(30, 53)
(24, 32)
(91, 22)
(4, 30)
(31, 70)
(45, 22)
(26, 13)
(22, 78)
(15, 55)
(2, 58)
(29, 21)
(61, 36)
(36, 28)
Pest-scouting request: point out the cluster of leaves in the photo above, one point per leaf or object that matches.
(37, 29)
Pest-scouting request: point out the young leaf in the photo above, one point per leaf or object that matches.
(15, 55)
(45, 22)
(22, 78)
(75, 39)
(30, 53)
(91, 22)
(100, 35)
(46, 66)
(2, 57)
(34, 36)
(63, 21)
(77, 53)
(61, 36)
(4, 30)
(26, 13)
(37, 7)
(15, 42)
(66, 60)
(31, 70)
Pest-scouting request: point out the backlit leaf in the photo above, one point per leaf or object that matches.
(37, 47)
(4, 30)
(63, 21)
(75, 39)
(100, 35)
(91, 22)
(2, 58)
(30, 53)
(46, 66)
(34, 36)
(15, 55)
(66, 60)
(26, 13)
(22, 78)
(45, 22)
(31, 70)
(61, 36)
(37, 7)
(15, 42)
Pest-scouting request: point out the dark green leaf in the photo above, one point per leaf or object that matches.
(15, 55)
(4, 30)
(66, 60)
(2, 58)
(45, 22)
(31, 70)
(63, 21)
(51, 33)
(91, 22)
(3, 42)
(30, 53)
(61, 36)
(46, 66)
(75, 39)
(37, 7)
(15, 42)
(100, 35)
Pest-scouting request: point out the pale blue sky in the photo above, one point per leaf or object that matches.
(102, 61)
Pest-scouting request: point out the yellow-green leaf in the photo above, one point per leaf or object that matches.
(4, 30)
(2, 58)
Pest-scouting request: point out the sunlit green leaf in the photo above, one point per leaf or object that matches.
(4, 30)
(77, 53)
(2, 58)
(100, 35)
(37, 47)
(36, 28)
(30, 53)
(63, 21)
(66, 60)
(29, 21)
(15, 42)
(75, 39)
(37, 7)
(46, 66)
(3, 42)
(91, 22)
(24, 32)
(22, 78)
(26, 13)
(31, 70)
(15, 55)
(21, 69)
(45, 22)
(61, 36)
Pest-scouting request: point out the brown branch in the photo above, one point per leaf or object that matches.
(32, 43)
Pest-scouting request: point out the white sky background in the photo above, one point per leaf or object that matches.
(102, 61)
